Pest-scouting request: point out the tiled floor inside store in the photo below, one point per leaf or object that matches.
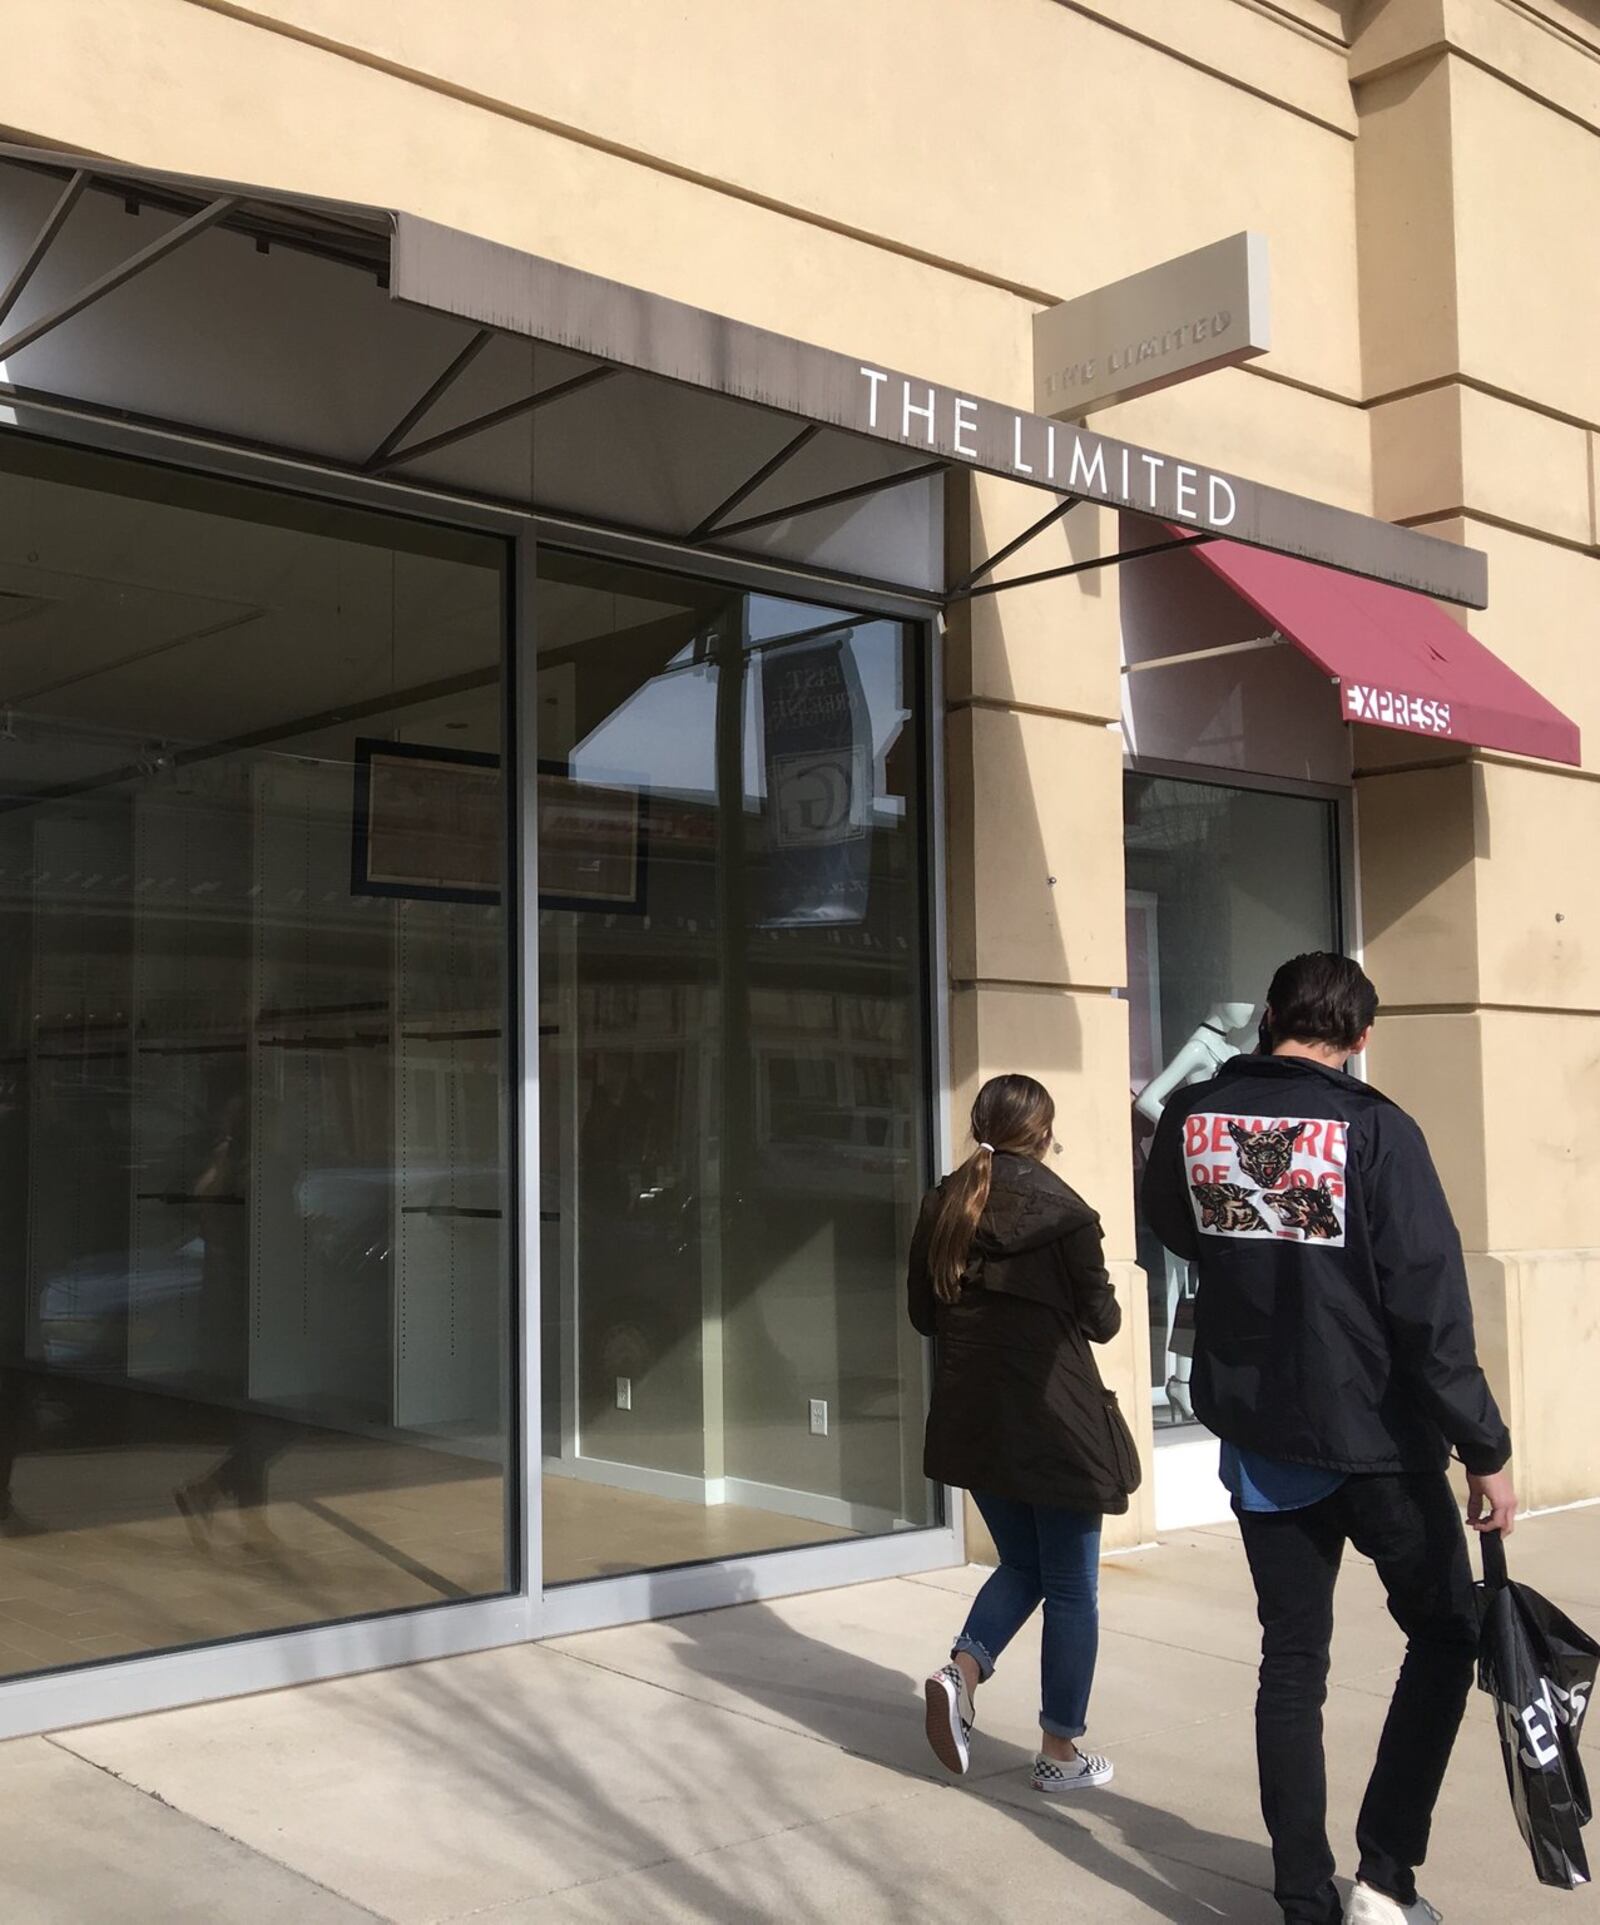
(98, 1561)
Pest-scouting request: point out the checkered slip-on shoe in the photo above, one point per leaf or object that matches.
(950, 1718)
(1082, 1773)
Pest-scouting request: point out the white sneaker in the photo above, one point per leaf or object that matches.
(950, 1718)
(1082, 1773)
(1367, 1907)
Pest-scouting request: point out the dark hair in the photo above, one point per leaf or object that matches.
(1012, 1113)
(1321, 998)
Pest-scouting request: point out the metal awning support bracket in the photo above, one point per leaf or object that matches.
(1078, 567)
(496, 417)
(1181, 660)
(922, 472)
(122, 273)
(54, 221)
(1059, 512)
(763, 474)
(441, 386)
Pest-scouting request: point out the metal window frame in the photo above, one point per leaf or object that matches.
(1341, 794)
(99, 1691)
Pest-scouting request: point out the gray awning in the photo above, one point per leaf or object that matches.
(378, 342)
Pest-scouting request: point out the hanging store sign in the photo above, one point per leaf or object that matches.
(1205, 310)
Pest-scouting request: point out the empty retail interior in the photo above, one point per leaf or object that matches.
(258, 1270)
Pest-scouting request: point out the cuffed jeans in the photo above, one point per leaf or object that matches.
(1051, 1554)
(1411, 1529)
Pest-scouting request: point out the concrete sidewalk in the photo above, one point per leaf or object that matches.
(765, 1762)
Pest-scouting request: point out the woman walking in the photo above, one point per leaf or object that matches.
(1007, 1273)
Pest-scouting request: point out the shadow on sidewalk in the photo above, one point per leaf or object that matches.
(556, 1798)
(873, 1711)
(565, 1799)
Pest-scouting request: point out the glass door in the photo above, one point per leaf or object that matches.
(733, 1030)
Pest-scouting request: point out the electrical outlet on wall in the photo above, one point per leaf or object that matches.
(624, 1393)
(819, 1417)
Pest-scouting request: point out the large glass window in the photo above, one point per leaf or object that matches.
(733, 1057)
(254, 1305)
(1223, 885)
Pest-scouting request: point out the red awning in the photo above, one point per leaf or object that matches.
(1399, 660)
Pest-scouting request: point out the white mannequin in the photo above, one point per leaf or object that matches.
(1202, 1056)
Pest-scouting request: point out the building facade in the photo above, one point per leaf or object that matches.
(531, 797)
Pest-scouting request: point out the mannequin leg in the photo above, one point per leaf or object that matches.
(1179, 1365)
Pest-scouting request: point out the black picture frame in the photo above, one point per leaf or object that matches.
(381, 865)
(559, 886)
(392, 775)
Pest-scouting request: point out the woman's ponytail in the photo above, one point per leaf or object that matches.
(1012, 1113)
(960, 1209)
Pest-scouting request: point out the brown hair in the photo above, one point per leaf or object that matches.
(1012, 1113)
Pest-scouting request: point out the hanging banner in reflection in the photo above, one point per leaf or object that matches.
(818, 747)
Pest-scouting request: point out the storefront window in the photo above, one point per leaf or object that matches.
(1223, 884)
(733, 1033)
(254, 1272)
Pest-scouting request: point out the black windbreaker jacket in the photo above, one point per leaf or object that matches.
(1332, 1321)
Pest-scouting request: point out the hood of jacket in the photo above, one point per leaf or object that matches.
(1029, 1207)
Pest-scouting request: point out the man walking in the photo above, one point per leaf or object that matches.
(1334, 1356)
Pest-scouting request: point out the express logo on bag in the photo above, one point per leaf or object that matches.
(1268, 1178)
(1539, 1722)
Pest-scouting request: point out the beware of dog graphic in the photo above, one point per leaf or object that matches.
(1267, 1178)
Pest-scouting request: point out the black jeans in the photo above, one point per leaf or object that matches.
(1411, 1528)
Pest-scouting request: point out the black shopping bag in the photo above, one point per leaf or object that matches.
(1540, 1670)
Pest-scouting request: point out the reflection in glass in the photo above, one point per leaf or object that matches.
(732, 1032)
(253, 1271)
(1223, 884)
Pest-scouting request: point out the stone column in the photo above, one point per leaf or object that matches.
(1478, 169)
(1035, 882)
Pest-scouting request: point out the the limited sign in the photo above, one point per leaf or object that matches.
(1202, 311)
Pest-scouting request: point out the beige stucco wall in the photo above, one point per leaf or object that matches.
(909, 180)
(1480, 908)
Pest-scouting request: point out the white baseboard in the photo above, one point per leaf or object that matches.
(839, 1512)
(682, 1488)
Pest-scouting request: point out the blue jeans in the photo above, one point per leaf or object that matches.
(1054, 1554)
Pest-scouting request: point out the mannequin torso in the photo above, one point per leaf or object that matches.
(1206, 1050)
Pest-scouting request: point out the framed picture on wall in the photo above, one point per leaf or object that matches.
(591, 843)
(429, 823)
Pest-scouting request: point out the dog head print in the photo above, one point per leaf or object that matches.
(1265, 1155)
(1309, 1211)
(1227, 1207)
